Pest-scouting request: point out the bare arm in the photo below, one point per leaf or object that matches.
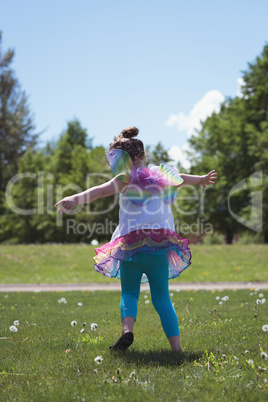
(201, 180)
(104, 190)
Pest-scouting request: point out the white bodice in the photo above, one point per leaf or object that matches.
(154, 214)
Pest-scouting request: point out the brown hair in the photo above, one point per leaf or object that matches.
(133, 146)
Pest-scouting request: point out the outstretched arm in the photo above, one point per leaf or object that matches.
(104, 190)
(201, 180)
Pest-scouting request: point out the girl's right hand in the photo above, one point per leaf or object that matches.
(67, 204)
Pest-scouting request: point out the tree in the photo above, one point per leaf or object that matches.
(16, 123)
(234, 142)
(158, 154)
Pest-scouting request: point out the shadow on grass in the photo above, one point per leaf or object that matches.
(160, 357)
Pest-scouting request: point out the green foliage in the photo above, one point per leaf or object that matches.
(16, 122)
(158, 154)
(47, 359)
(234, 143)
(213, 238)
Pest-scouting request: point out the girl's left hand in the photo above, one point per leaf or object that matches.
(208, 178)
(66, 204)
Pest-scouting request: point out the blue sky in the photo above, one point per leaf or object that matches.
(159, 65)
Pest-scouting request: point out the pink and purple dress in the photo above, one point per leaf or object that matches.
(146, 221)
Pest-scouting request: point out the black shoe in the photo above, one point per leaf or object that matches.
(123, 342)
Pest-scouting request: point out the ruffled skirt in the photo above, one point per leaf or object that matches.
(125, 248)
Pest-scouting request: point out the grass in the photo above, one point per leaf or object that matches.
(53, 361)
(74, 264)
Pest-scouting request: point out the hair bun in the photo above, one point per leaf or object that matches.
(130, 132)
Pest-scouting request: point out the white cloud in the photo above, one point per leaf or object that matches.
(179, 155)
(239, 83)
(201, 110)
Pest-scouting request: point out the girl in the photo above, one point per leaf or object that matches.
(144, 246)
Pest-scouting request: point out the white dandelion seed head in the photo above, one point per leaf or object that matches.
(265, 328)
(82, 330)
(73, 323)
(62, 300)
(93, 326)
(236, 358)
(16, 322)
(258, 301)
(263, 300)
(225, 298)
(250, 361)
(132, 374)
(80, 304)
(264, 355)
(13, 328)
(171, 294)
(217, 297)
(220, 302)
(145, 296)
(260, 295)
(251, 294)
(6, 296)
(98, 359)
(147, 301)
(246, 351)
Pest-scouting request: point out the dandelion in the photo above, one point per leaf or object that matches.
(82, 330)
(171, 294)
(260, 295)
(98, 359)
(261, 369)
(220, 302)
(13, 328)
(264, 355)
(93, 326)
(145, 297)
(251, 294)
(258, 301)
(16, 322)
(80, 304)
(218, 298)
(246, 351)
(263, 301)
(94, 242)
(6, 296)
(62, 300)
(225, 298)
(265, 328)
(132, 375)
(250, 361)
(147, 301)
(236, 358)
(73, 323)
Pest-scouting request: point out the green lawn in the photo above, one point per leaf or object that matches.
(49, 360)
(74, 264)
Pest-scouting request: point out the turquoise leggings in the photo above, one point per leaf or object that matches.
(156, 269)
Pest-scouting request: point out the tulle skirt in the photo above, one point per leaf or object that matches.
(125, 248)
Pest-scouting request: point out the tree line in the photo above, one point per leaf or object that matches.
(233, 141)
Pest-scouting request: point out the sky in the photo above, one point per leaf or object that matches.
(159, 65)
